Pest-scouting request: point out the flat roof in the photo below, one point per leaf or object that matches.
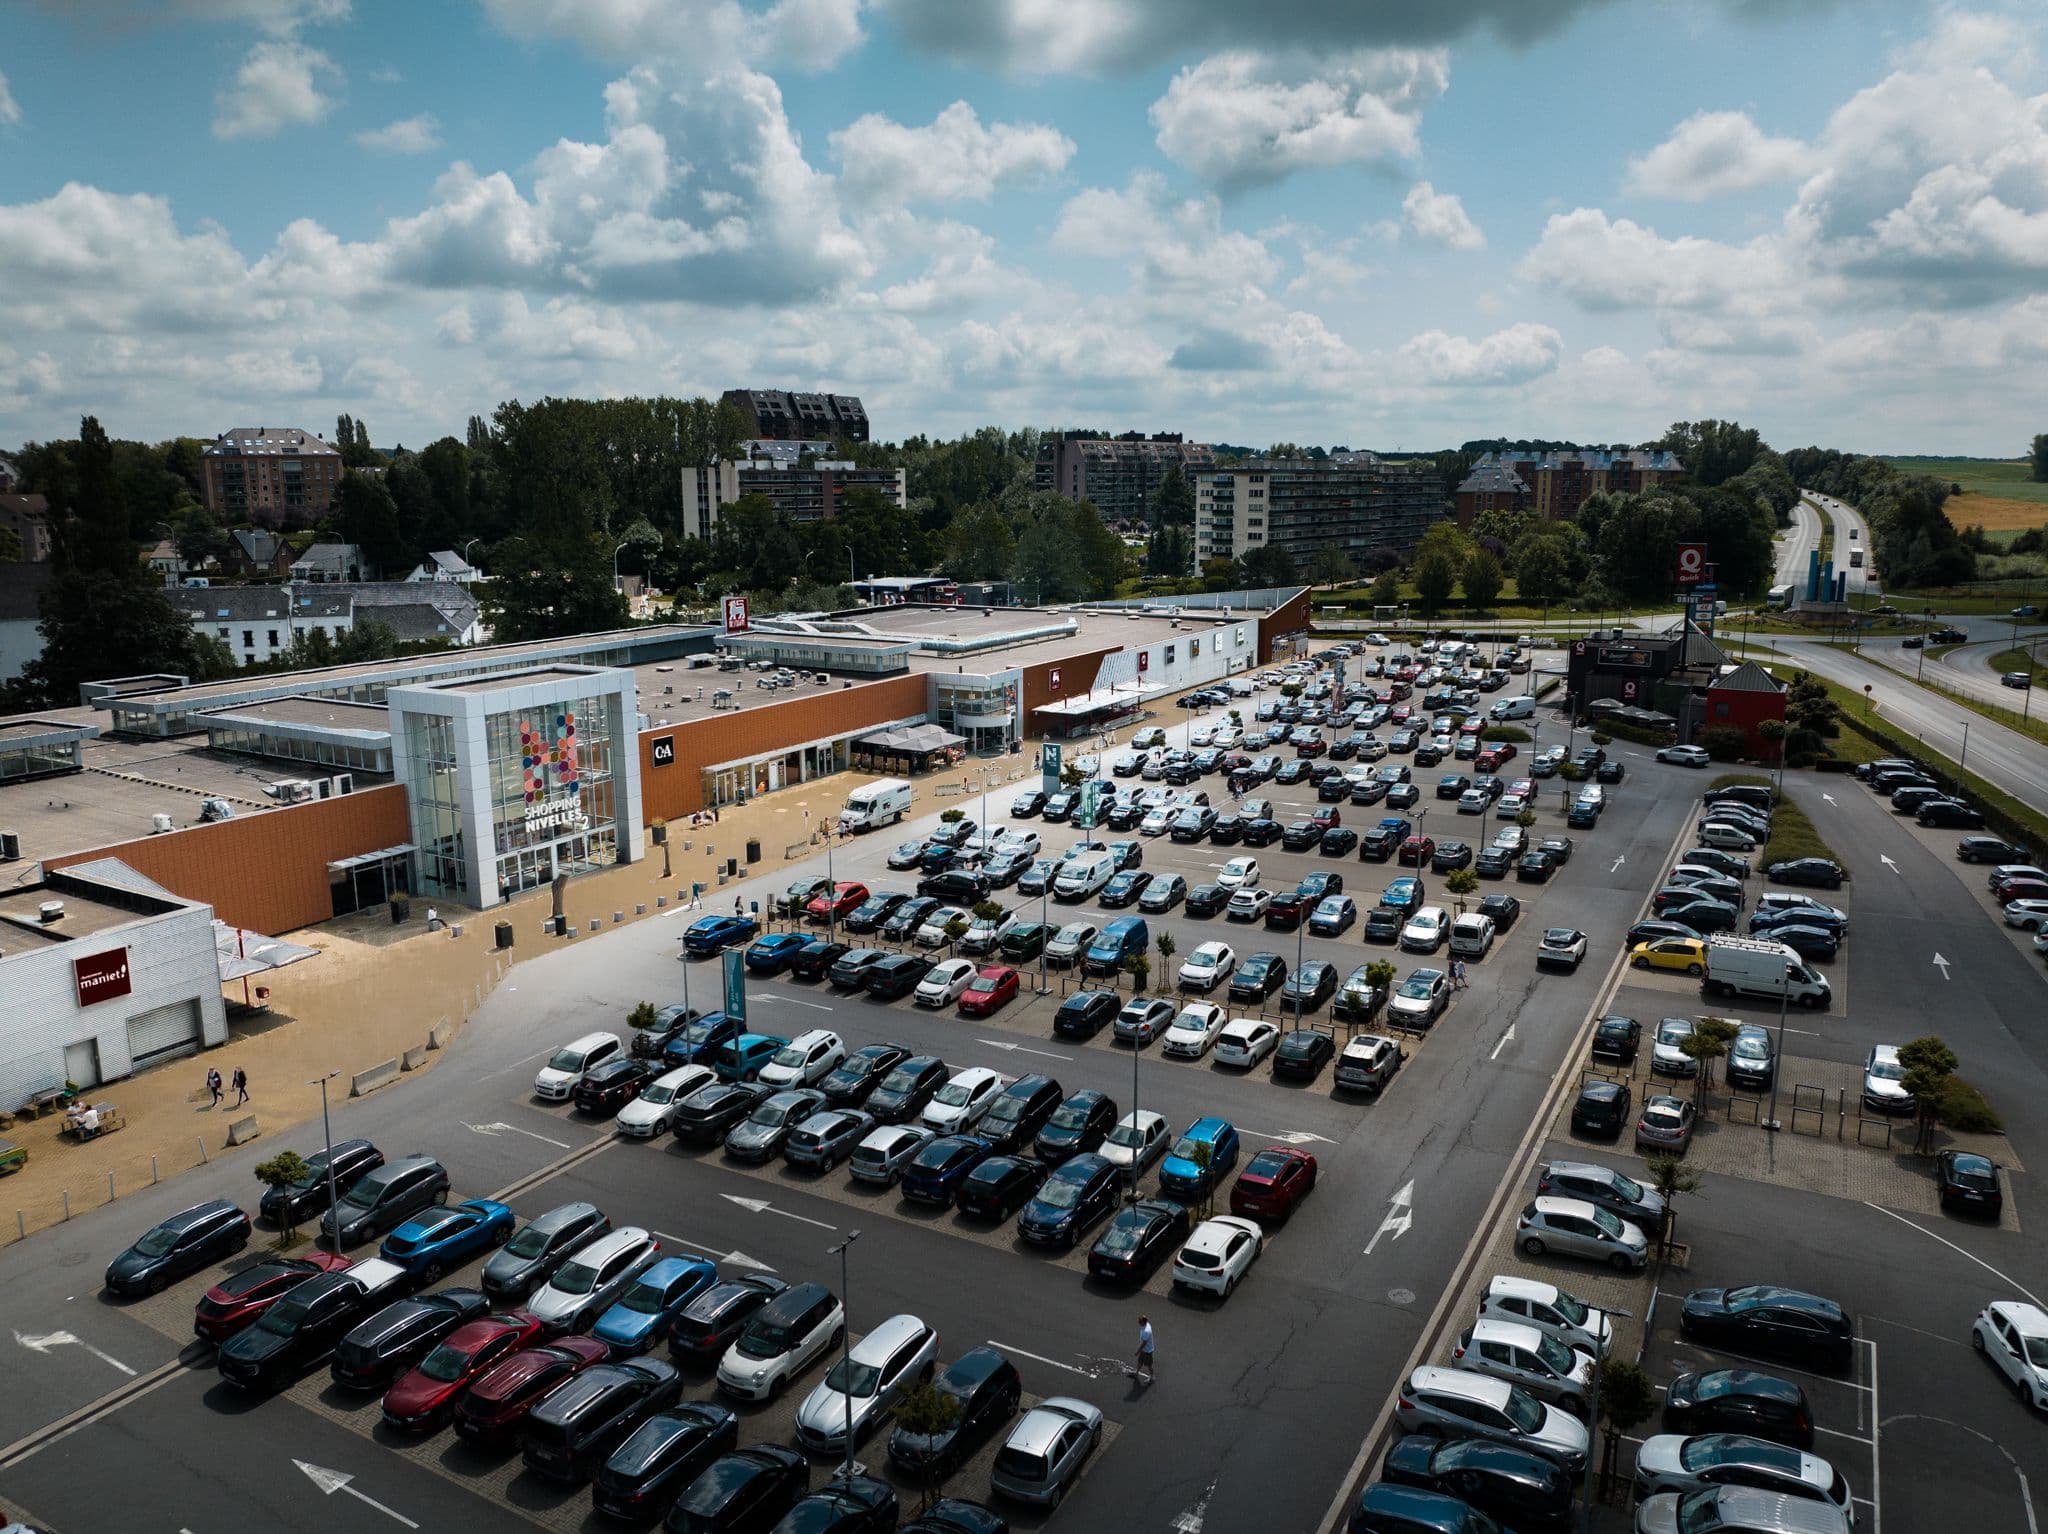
(21, 916)
(22, 733)
(316, 713)
(502, 681)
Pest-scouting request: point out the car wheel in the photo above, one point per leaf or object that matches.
(1621, 1262)
(1533, 1246)
(432, 1272)
(441, 1197)
(156, 1283)
(1640, 963)
(1977, 1340)
(1695, 970)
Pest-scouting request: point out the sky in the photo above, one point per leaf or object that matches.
(1396, 224)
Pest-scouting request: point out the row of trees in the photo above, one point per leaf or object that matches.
(1912, 540)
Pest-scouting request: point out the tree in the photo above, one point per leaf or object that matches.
(979, 544)
(280, 1172)
(100, 624)
(1708, 1042)
(2039, 471)
(1139, 967)
(542, 589)
(1435, 575)
(1930, 1066)
(1331, 566)
(925, 1413)
(1386, 589)
(1723, 742)
(1173, 500)
(1461, 882)
(988, 910)
(1380, 974)
(1627, 1400)
(1167, 948)
(368, 517)
(1266, 565)
(1808, 705)
(1541, 574)
(1670, 1177)
(1483, 579)
(1171, 551)
(1773, 732)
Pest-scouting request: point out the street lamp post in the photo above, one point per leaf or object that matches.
(846, 1346)
(1778, 1059)
(615, 564)
(327, 1143)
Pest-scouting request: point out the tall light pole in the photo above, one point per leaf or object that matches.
(327, 1142)
(615, 564)
(466, 547)
(846, 1346)
(1778, 1058)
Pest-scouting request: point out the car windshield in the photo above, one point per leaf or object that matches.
(530, 1242)
(765, 1338)
(1127, 1135)
(698, 1033)
(956, 1094)
(1524, 1411)
(1060, 1193)
(1672, 1029)
(1122, 1237)
(2037, 1351)
(1416, 987)
(645, 1298)
(1006, 1110)
(1188, 1148)
(576, 1278)
(1574, 1311)
(1752, 1047)
(1558, 1358)
(1607, 1224)
(791, 1056)
(156, 1242)
(445, 1364)
(900, 1081)
(566, 1060)
(285, 1317)
(862, 1377)
(1888, 1070)
(981, 985)
(1070, 1116)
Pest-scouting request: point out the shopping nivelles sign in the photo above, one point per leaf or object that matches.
(556, 816)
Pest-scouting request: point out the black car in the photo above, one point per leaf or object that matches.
(1766, 1321)
(376, 1351)
(1226, 830)
(1079, 1191)
(1949, 812)
(303, 1327)
(1207, 899)
(1078, 1125)
(872, 912)
(850, 970)
(1609, 772)
(748, 1489)
(574, 1430)
(1704, 915)
(1450, 855)
(385, 1198)
(1452, 785)
(1806, 939)
(1380, 843)
(1739, 1401)
(539, 1247)
(1988, 849)
(1650, 931)
(1966, 1180)
(292, 1203)
(1557, 848)
(894, 977)
(999, 1187)
(1027, 804)
(706, 1114)
(1304, 1052)
(1006, 868)
(609, 1086)
(1338, 841)
(906, 1090)
(857, 1504)
(664, 1454)
(1617, 1038)
(986, 1391)
(1301, 835)
(1257, 978)
(1383, 924)
(1504, 909)
(668, 1022)
(906, 919)
(1085, 1013)
(1535, 867)
(860, 1073)
(1019, 1111)
(1336, 789)
(1308, 987)
(1124, 888)
(1138, 1240)
(713, 1321)
(192, 1239)
(1818, 873)
(1522, 1490)
(1261, 832)
(815, 959)
(1602, 1108)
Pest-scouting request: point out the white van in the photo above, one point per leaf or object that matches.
(567, 1065)
(879, 804)
(1084, 876)
(1513, 708)
(1759, 967)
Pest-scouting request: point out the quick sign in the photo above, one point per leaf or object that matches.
(1052, 679)
(1692, 563)
(735, 615)
(1144, 660)
(101, 976)
(557, 816)
(662, 752)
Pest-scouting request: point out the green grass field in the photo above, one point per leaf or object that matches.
(2003, 478)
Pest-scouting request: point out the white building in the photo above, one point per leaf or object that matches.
(444, 566)
(259, 623)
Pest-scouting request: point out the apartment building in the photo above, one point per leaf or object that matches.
(269, 476)
(802, 478)
(1351, 501)
(777, 415)
(1116, 474)
(1553, 485)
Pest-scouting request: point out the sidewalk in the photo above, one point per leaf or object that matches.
(375, 991)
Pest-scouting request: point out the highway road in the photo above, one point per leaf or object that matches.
(1796, 545)
(1852, 534)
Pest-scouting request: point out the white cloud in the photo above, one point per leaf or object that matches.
(280, 85)
(280, 18)
(1712, 154)
(709, 34)
(408, 135)
(10, 110)
(1511, 356)
(956, 158)
(1439, 217)
(1182, 247)
(1620, 264)
(1241, 118)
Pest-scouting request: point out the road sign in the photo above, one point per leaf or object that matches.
(1049, 767)
(736, 985)
(1692, 563)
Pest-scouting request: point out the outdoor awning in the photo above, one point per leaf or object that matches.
(242, 953)
(367, 859)
(910, 738)
(1608, 708)
(1098, 702)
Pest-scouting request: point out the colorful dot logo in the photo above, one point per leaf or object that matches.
(548, 756)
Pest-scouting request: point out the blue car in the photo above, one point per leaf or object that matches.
(715, 934)
(935, 1173)
(741, 1059)
(1182, 1175)
(772, 955)
(647, 1310)
(700, 1042)
(436, 1240)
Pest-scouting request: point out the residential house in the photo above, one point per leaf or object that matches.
(259, 623)
(279, 476)
(444, 566)
(28, 518)
(329, 562)
(256, 553)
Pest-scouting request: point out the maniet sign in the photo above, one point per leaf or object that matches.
(558, 817)
(101, 976)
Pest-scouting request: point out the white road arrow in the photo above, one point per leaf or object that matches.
(331, 1481)
(732, 1259)
(49, 1340)
(1399, 1217)
(1617, 864)
(1190, 1520)
(1024, 1049)
(513, 1129)
(1886, 860)
(1829, 797)
(762, 1206)
(1505, 1040)
(1941, 964)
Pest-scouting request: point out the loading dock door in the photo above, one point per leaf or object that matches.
(163, 1033)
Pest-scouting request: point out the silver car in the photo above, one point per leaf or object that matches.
(1071, 942)
(1455, 1403)
(1621, 1196)
(866, 1383)
(585, 1286)
(759, 1136)
(881, 1157)
(1548, 1309)
(1575, 1228)
(1546, 1368)
(1042, 1458)
(825, 1139)
(1673, 1462)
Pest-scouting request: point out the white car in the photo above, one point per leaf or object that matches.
(1667, 1053)
(2014, 1336)
(556, 1081)
(1456, 1403)
(1548, 1309)
(933, 933)
(1190, 1034)
(1674, 1464)
(1685, 756)
(1146, 738)
(944, 983)
(648, 1114)
(1548, 1369)
(1378, 640)
(805, 1060)
(959, 1105)
(1021, 840)
(1226, 737)
(771, 1352)
(1420, 999)
(1071, 942)
(1218, 1253)
(1727, 837)
(1245, 1041)
(1884, 1081)
(1207, 967)
(1426, 930)
(1139, 1139)
(1561, 946)
(1510, 806)
(1474, 801)
(1238, 873)
(2027, 915)
(882, 1156)
(592, 1277)
(1157, 820)
(1576, 1228)
(1202, 735)
(1247, 903)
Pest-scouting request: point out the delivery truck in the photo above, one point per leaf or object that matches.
(1744, 966)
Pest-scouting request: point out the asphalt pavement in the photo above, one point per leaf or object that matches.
(1795, 545)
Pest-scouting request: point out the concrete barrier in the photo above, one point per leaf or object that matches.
(363, 1083)
(439, 1035)
(413, 1058)
(243, 1130)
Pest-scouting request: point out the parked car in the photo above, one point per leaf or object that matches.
(1141, 1236)
(1576, 1228)
(1464, 1475)
(1456, 1403)
(494, 1407)
(662, 1456)
(436, 1240)
(244, 1298)
(1078, 1126)
(539, 1247)
(1769, 1321)
(884, 1152)
(2014, 1336)
(1680, 1467)
(1665, 1124)
(570, 1434)
(192, 1239)
(1044, 1454)
(1965, 1180)
(986, 1390)
(1273, 1183)
(1739, 1401)
(387, 1343)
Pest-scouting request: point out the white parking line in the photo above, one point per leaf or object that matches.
(2023, 1289)
(1040, 1357)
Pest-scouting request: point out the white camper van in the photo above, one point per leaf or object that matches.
(879, 804)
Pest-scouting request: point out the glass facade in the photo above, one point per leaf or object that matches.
(254, 740)
(983, 709)
(737, 782)
(552, 790)
(433, 788)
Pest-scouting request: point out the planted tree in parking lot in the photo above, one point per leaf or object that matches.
(1167, 948)
(927, 1412)
(280, 1172)
(1930, 1069)
(1526, 818)
(1708, 1042)
(1461, 882)
(988, 910)
(956, 929)
(1627, 1399)
(953, 817)
(641, 1017)
(1670, 1177)
(1139, 967)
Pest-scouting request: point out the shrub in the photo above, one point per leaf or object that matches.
(1508, 732)
(1962, 1107)
(1723, 742)
(953, 817)
(1600, 739)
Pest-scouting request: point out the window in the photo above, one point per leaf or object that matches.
(248, 639)
(273, 638)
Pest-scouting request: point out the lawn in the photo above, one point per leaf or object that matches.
(1792, 832)
(2021, 659)
(1996, 478)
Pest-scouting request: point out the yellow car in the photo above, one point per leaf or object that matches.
(1687, 954)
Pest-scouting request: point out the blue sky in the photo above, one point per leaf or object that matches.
(1395, 223)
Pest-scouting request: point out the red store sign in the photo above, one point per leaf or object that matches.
(101, 977)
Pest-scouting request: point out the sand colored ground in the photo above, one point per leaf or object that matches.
(1994, 513)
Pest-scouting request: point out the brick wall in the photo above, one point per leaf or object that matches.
(267, 872)
(1291, 617)
(1077, 679)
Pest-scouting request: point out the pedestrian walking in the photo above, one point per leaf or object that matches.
(241, 1085)
(1457, 974)
(213, 1084)
(1145, 1351)
(739, 906)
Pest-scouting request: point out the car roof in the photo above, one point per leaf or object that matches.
(1461, 1382)
(1515, 1333)
(2030, 1320)
(1548, 1205)
(885, 1339)
(603, 1248)
(1512, 1285)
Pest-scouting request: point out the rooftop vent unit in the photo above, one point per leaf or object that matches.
(50, 911)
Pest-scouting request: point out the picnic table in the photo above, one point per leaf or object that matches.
(12, 1157)
(49, 1100)
(110, 1119)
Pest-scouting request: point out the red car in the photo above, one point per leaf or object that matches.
(1495, 756)
(494, 1406)
(1418, 850)
(988, 990)
(1277, 1178)
(838, 902)
(1325, 815)
(1402, 714)
(240, 1301)
(1309, 748)
(420, 1399)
